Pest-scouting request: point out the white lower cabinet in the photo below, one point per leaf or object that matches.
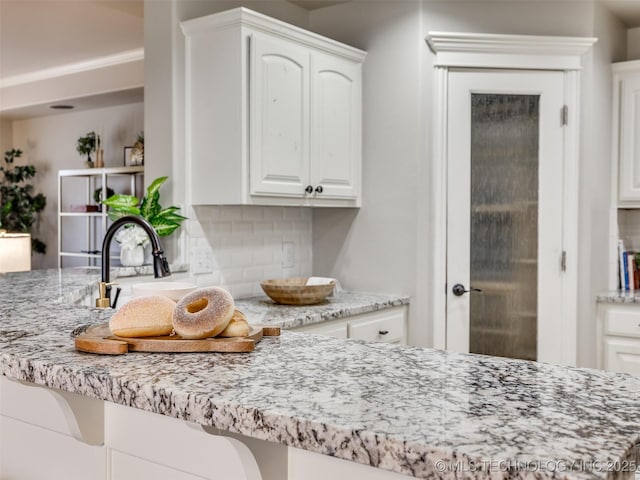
(49, 434)
(387, 325)
(41, 436)
(619, 337)
(337, 329)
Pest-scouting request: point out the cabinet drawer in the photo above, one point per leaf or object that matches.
(384, 326)
(336, 329)
(624, 322)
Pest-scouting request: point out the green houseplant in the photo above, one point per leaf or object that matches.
(18, 204)
(164, 220)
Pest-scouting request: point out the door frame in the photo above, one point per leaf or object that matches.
(491, 51)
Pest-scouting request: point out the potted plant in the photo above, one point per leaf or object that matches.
(164, 220)
(97, 195)
(18, 204)
(86, 146)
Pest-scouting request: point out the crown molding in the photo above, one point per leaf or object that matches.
(73, 68)
(508, 51)
(242, 16)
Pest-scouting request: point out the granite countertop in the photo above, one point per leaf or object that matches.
(421, 412)
(619, 296)
(263, 311)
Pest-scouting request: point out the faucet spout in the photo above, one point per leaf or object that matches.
(160, 263)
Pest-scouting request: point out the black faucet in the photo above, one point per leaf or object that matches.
(160, 264)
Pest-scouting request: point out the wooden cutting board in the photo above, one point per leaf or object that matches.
(99, 339)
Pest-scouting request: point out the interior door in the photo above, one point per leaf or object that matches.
(504, 213)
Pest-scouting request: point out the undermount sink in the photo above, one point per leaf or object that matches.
(174, 290)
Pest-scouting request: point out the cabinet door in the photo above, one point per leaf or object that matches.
(622, 356)
(335, 126)
(279, 117)
(630, 138)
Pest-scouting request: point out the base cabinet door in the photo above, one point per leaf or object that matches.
(622, 355)
(304, 465)
(129, 467)
(38, 438)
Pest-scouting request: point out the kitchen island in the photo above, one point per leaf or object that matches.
(417, 412)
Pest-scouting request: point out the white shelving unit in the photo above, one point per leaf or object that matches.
(80, 234)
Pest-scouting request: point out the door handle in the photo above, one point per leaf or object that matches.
(459, 290)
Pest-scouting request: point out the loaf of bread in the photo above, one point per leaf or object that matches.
(238, 326)
(150, 316)
(203, 313)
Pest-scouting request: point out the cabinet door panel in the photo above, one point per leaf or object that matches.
(279, 130)
(630, 138)
(335, 126)
(622, 356)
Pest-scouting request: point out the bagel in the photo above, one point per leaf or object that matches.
(238, 326)
(203, 313)
(150, 316)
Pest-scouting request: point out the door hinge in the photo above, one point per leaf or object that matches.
(565, 115)
(563, 261)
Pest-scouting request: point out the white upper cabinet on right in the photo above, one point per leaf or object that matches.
(273, 113)
(626, 139)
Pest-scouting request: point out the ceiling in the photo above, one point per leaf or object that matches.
(626, 10)
(40, 34)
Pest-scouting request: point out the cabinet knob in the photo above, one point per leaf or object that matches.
(309, 189)
(319, 189)
(383, 332)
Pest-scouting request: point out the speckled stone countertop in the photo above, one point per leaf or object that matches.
(618, 296)
(263, 311)
(421, 412)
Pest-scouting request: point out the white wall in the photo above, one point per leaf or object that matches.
(6, 140)
(49, 143)
(383, 247)
(633, 44)
(376, 248)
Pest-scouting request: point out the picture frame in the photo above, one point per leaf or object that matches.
(128, 162)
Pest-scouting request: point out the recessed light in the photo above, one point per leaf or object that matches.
(61, 107)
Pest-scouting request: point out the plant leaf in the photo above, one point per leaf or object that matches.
(117, 202)
(123, 212)
(165, 228)
(155, 185)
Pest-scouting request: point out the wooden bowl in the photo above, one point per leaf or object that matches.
(295, 291)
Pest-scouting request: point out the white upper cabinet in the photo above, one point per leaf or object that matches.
(279, 117)
(627, 131)
(273, 113)
(335, 126)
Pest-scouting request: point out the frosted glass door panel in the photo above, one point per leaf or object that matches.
(504, 225)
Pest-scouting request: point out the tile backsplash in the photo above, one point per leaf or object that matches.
(629, 228)
(236, 247)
